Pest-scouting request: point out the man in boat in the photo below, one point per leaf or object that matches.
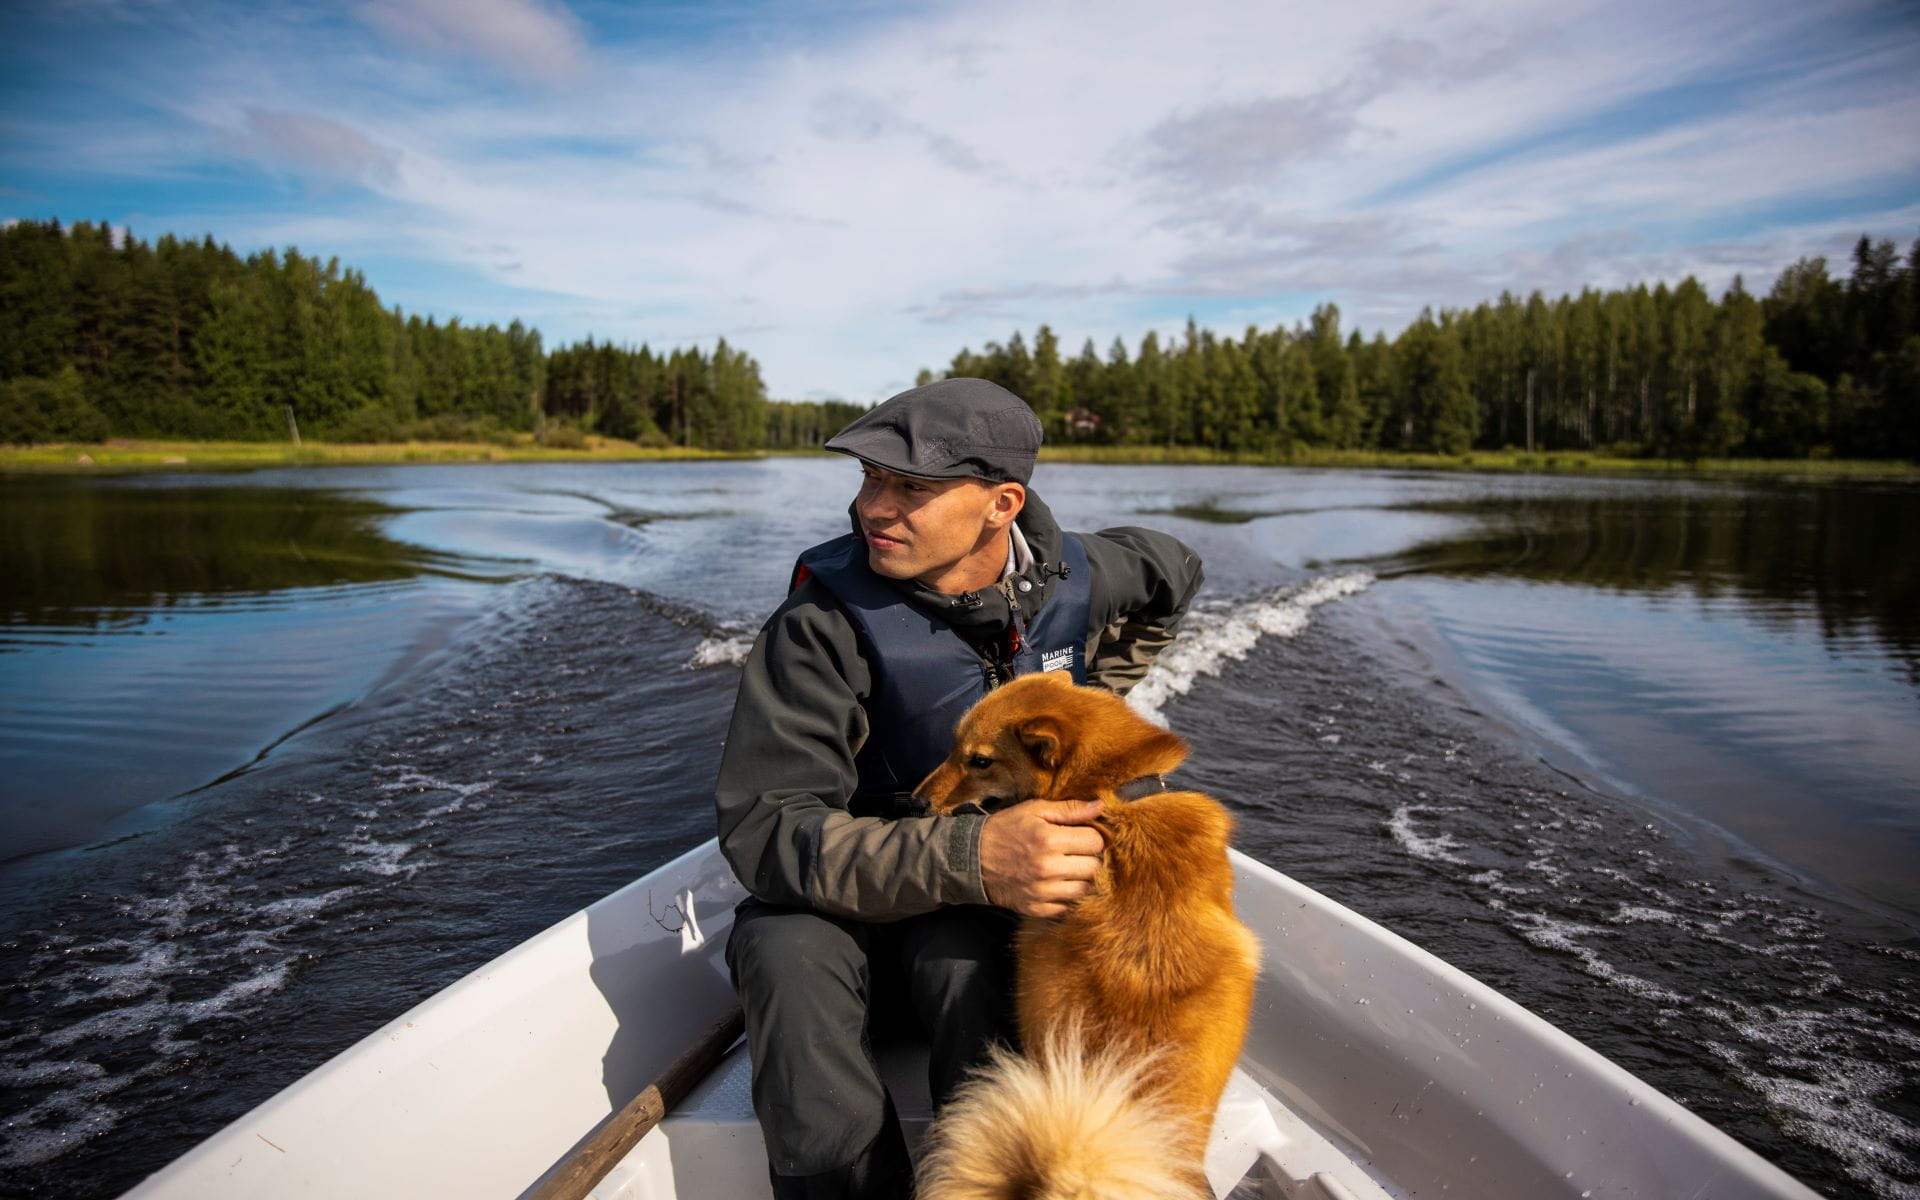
(955, 578)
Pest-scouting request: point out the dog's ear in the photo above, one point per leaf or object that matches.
(1135, 746)
(1044, 739)
(1158, 746)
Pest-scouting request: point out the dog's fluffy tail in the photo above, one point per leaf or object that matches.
(1061, 1125)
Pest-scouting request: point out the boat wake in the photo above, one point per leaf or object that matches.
(139, 997)
(725, 647)
(156, 987)
(1635, 911)
(1214, 635)
(1789, 1021)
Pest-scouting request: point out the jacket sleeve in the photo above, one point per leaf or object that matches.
(787, 774)
(1143, 581)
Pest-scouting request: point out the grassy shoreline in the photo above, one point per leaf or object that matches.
(131, 454)
(123, 455)
(1544, 462)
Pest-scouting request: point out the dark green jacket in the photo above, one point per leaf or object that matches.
(788, 769)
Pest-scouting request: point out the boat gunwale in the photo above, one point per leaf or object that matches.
(1330, 920)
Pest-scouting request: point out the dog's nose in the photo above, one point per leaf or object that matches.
(915, 805)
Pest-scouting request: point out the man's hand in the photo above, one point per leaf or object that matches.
(1039, 856)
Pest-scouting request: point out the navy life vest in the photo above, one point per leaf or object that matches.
(925, 675)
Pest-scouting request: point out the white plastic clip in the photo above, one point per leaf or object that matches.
(690, 936)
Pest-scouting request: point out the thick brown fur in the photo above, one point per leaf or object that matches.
(1151, 965)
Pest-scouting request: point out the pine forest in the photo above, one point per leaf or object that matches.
(110, 336)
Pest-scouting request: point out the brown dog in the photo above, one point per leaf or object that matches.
(1132, 1006)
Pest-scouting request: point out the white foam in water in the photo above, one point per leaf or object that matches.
(410, 780)
(379, 858)
(297, 907)
(1434, 848)
(1209, 639)
(721, 650)
(1822, 1095)
(1636, 914)
(41, 1074)
(189, 931)
(1542, 863)
(1551, 933)
(1495, 881)
(119, 981)
(239, 992)
(1830, 1077)
(59, 1123)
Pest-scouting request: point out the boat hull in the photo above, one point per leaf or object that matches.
(1371, 1069)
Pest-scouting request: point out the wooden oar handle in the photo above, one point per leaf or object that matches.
(619, 1132)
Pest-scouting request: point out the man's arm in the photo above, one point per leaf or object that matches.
(787, 774)
(1143, 581)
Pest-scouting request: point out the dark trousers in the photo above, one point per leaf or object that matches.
(816, 989)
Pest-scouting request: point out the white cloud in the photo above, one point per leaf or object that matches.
(317, 146)
(852, 207)
(525, 37)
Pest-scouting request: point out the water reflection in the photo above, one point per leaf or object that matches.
(1747, 655)
(154, 639)
(77, 553)
(1838, 556)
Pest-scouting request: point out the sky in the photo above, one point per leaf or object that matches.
(852, 191)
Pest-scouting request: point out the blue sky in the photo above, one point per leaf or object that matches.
(851, 191)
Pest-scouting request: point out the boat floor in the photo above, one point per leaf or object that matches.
(710, 1144)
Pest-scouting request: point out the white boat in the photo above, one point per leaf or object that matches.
(1372, 1069)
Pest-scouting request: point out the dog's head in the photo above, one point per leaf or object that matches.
(1040, 737)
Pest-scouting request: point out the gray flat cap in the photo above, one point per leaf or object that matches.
(949, 429)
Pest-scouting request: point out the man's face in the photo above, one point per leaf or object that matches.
(929, 529)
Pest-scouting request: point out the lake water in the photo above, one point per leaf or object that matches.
(285, 752)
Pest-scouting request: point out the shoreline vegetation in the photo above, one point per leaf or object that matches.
(128, 455)
(110, 341)
(119, 455)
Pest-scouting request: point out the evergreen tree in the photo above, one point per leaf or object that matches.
(1046, 381)
(1433, 406)
(102, 332)
(1336, 384)
(1125, 417)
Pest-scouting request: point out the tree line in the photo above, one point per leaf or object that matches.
(104, 335)
(1819, 366)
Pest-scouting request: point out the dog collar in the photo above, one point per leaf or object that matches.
(1146, 785)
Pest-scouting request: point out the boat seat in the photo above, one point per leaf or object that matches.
(710, 1144)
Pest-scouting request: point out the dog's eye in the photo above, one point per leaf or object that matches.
(979, 762)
